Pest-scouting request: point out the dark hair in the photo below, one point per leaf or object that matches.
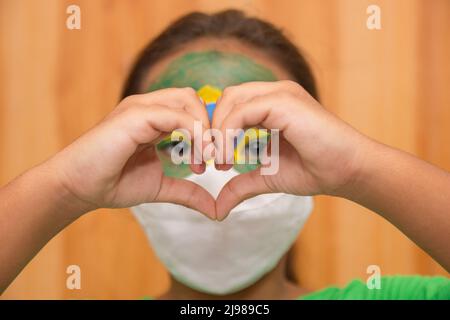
(232, 24)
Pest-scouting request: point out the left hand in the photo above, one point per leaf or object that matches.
(318, 153)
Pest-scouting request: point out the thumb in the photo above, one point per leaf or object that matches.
(188, 194)
(238, 189)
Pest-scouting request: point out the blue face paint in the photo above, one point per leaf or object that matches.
(210, 108)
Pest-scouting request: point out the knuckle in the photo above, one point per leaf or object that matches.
(190, 194)
(228, 91)
(233, 188)
(290, 84)
(135, 110)
(129, 100)
(189, 91)
(286, 96)
(241, 106)
(295, 88)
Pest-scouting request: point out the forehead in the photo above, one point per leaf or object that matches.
(219, 62)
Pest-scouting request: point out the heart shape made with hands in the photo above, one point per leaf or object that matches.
(231, 194)
(227, 183)
(253, 146)
(283, 106)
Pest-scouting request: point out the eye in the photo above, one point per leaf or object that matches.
(252, 146)
(164, 151)
(247, 156)
(181, 146)
(166, 147)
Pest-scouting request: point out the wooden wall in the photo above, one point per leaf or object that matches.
(392, 84)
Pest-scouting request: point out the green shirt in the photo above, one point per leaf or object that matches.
(392, 288)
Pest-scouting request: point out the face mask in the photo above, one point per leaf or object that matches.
(223, 257)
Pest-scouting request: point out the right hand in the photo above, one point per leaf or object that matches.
(115, 163)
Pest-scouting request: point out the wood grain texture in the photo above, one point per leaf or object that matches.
(391, 84)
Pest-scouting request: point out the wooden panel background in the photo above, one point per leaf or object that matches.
(391, 84)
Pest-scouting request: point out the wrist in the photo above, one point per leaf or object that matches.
(366, 161)
(61, 198)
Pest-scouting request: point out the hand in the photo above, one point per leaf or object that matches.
(115, 163)
(319, 154)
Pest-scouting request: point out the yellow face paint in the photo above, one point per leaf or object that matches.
(209, 94)
(251, 136)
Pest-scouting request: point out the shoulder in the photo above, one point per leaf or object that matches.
(392, 287)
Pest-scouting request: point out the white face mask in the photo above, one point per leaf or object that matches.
(223, 257)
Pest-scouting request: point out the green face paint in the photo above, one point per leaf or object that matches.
(170, 169)
(196, 70)
(215, 68)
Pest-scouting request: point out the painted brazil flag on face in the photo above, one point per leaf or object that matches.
(209, 72)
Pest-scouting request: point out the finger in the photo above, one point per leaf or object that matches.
(145, 123)
(196, 133)
(197, 168)
(244, 92)
(238, 189)
(178, 98)
(187, 100)
(188, 194)
(270, 111)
